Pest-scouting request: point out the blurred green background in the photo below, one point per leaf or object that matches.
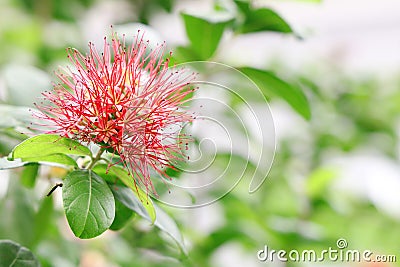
(336, 171)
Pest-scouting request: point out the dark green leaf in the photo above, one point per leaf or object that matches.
(243, 5)
(88, 203)
(13, 254)
(204, 35)
(123, 214)
(166, 4)
(29, 174)
(48, 144)
(270, 85)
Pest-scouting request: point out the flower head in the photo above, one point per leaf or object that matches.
(125, 100)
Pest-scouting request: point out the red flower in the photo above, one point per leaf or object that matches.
(125, 100)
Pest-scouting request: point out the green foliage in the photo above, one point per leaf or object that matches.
(298, 207)
(261, 19)
(162, 219)
(122, 216)
(318, 182)
(48, 144)
(144, 207)
(13, 254)
(88, 203)
(142, 199)
(43, 220)
(204, 35)
(168, 225)
(271, 85)
(29, 174)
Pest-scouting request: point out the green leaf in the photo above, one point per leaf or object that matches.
(163, 221)
(88, 203)
(13, 254)
(48, 144)
(123, 214)
(270, 85)
(141, 196)
(166, 4)
(204, 34)
(54, 158)
(183, 54)
(127, 197)
(243, 5)
(17, 214)
(103, 172)
(262, 19)
(29, 174)
(265, 19)
(43, 219)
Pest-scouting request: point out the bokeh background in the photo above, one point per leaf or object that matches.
(336, 171)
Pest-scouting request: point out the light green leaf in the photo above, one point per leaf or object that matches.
(204, 34)
(13, 254)
(271, 85)
(54, 158)
(88, 203)
(48, 144)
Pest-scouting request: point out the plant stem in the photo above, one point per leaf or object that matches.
(96, 159)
